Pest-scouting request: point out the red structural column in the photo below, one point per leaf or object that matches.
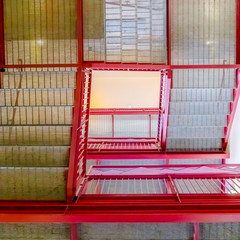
(196, 231)
(238, 31)
(233, 108)
(71, 185)
(169, 31)
(168, 86)
(73, 231)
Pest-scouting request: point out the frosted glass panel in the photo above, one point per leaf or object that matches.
(203, 32)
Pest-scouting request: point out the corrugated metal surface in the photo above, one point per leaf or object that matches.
(135, 231)
(36, 119)
(134, 31)
(40, 31)
(203, 32)
(123, 126)
(219, 231)
(35, 231)
(200, 103)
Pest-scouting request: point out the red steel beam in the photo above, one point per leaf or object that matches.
(203, 210)
(71, 181)
(196, 231)
(122, 66)
(125, 66)
(169, 31)
(157, 155)
(74, 231)
(73, 150)
(233, 108)
(123, 111)
(166, 110)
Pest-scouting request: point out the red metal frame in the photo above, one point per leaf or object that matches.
(155, 155)
(238, 31)
(194, 208)
(233, 109)
(72, 175)
(166, 110)
(196, 234)
(74, 231)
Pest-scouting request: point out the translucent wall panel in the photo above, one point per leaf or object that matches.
(125, 31)
(136, 31)
(40, 31)
(94, 40)
(203, 32)
(123, 126)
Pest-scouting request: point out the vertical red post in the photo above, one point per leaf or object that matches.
(233, 109)
(112, 126)
(168, 86)
(238, 31)
(2, 51)
(196, 231)
(150, 125)
(73, 231)
(169, 31)
(71, 185)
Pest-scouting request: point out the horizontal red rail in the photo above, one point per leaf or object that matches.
(123, 111)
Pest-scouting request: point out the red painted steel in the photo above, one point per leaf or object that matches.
(82, 130)
(169, 31)
(161, 106)
(156, 155)
(233, 108)
(2, 49)
(74, 231)
(238, 31)
(124, 66)
(123, 111)
(166, 110)
(73, 150)
(196, 235)
(71, 181)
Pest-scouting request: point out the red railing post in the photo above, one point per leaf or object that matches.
(196, 231)
(71, 181)
(73, 231)
(168, 85)
(233, 109)
(169, 32)
(237, 31)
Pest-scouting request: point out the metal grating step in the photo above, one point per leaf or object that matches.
(197, 120)
(180, 132)
(199, 108)
(198, 144)
(198, 94)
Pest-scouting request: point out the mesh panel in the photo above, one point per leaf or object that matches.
(40, 32)
(35, 231)
(203, 32)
